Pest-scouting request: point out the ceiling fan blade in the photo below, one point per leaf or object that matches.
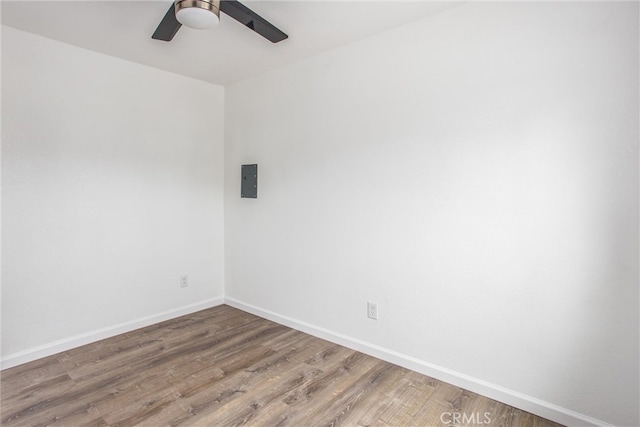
(252, 20)
(168, 27)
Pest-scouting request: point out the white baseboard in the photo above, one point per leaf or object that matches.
(493, 391)
(49, 349)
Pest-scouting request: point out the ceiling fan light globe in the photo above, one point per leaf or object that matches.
(197, 14)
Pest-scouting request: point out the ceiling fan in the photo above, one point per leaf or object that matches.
(203, 14)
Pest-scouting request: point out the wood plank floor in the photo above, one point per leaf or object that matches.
(225, 367)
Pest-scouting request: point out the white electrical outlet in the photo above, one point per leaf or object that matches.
(372, 310)
(184, 281)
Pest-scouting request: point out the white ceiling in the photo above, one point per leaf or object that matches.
(225, 54)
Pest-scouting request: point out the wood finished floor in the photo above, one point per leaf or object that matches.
(225, 367)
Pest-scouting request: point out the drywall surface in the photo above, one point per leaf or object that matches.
(112, 187)
(475, 174)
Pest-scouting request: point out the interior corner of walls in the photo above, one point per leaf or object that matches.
(59, 346)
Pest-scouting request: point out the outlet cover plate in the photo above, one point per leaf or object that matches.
(372, 310)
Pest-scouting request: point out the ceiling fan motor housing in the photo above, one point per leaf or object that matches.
(206, 14)
(199, 14)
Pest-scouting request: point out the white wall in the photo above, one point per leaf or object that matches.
(112, 187)
(475, 174)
